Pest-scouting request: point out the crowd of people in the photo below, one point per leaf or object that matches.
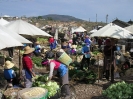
(52, 65)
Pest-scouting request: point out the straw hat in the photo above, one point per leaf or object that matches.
(37, 42)
(28, 50)
(8, 65)
(74, 46)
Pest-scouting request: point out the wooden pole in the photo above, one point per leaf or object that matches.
(98, 69)
(20, 62)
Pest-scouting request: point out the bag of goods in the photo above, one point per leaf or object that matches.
(33, 93)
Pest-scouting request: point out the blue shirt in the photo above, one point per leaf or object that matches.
(85, 49)
(87, 41)
(9, 73)
(62, 70)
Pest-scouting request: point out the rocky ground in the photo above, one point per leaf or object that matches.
(83, 91)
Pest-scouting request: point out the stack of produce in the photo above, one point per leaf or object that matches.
(120, 90)
(89, 77)
(51, 86)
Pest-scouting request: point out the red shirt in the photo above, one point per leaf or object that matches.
(27, 62)
(51, 40)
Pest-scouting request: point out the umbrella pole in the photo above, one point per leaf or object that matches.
(98, 69)
(19, 63)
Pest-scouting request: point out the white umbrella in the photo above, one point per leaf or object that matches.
(130, 28)
(15, 35)
(114, 31)
(25, 28)
(93, 31)
(7, 41)
(3, 21)
(79, 29)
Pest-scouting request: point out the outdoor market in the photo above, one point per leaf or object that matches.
(80, 65)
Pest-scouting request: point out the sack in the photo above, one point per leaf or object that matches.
(33, 93)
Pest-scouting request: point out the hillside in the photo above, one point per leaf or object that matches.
(56, 17)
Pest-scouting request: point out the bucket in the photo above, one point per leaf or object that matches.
(65, 59)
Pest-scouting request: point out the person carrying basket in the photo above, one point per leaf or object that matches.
(54, 66)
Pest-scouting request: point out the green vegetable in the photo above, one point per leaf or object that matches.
(119, 90)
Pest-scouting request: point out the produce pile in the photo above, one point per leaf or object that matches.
(51, 86)
(119, 90)
(87, 76)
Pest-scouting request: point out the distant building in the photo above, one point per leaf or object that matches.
(121, 23)
(130, 22)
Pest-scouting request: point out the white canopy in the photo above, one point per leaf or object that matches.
(7, 41)
(3, 21)
(25, 28)
(114, 31)
(15, 35)
(79, 29)
(130, 28)
(93, 31)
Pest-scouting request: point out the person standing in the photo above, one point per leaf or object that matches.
(86, 55)
(109, 59)
(51, 42)
(87, 41)
(27, 71)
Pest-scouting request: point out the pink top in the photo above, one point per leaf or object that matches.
(54, 65)
(57, 64)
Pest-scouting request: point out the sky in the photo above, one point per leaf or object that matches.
(89, 10)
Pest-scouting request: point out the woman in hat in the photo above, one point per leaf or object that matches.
(9, 73)
(27, 71)
(54, 67)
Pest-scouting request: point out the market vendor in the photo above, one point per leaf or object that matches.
(27, 71)
(55, 66)
(109, 59)
(9, 73)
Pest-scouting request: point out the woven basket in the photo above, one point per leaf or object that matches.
(64, 58)
(11, 93)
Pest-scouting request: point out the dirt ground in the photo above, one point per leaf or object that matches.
(83, 91)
